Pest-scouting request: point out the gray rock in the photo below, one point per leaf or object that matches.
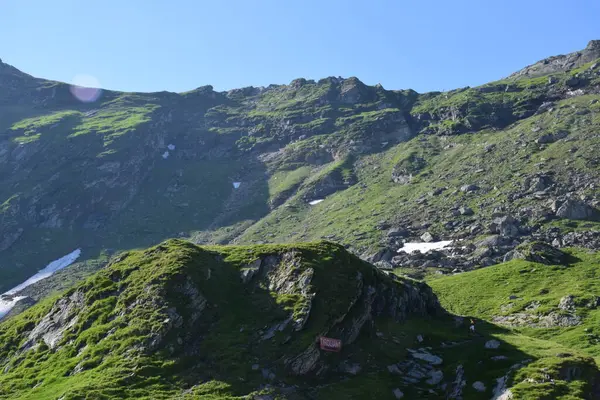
(465, 211)
(427, 237)
(398, 393)
(62, 316)
(505, 226)
(435, 377)
(385, 265)
(397, 232)
(567, 303)
(458, 384)
(577, 210)
(429, 358)
(267, 374)
(351, 369)
(250, 270)
(255, 367)
(469, 188)
(479, 386)
(393, 369)
(492, 344)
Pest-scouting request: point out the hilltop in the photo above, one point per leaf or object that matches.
(182, 321)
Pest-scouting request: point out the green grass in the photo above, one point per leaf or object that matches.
(513, 287)
(126, 347)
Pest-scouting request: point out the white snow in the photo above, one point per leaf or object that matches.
(171, 147)
(7, 301)
(312, 203)
(236, 184)
(8, 304)
(425, 247)
(165, 155)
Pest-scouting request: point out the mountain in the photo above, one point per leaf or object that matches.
(231, 322)
(502, 176)
(131, 169)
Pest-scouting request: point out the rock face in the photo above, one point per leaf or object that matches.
(61, 317)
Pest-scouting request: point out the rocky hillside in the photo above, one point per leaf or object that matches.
(180, 320)
(231, 322)
(516, 157)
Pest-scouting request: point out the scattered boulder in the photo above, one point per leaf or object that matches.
(577, 210)
(539, 252)
(350, 368)
(492, 344)
(479, 386)
(429, 358)
(435, 377)
(469, 188)
(567, 303)
(551, 138)
(427, 237)
(398, 393)
(465, 211)
(397, 232)
(505, 226)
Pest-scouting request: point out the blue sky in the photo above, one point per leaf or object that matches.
(178, 45)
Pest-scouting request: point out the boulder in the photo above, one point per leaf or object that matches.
(427, 237)
(397, 393)
(505, 226)
(397, 232)
(567, 303)
(539, 252)
(577, 210)
(435, 377)
(479, 386)
(465, 211)
(428, 358)
(469, 188)
(492, 344)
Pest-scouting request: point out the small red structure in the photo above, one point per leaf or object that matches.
(329, 344)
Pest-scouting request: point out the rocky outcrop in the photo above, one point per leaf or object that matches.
(62, 316)
(562, 62)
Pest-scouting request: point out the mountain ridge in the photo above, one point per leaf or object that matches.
(259, 137)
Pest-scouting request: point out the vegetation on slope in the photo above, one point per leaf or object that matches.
(553, 304)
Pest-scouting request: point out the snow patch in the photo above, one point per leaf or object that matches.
(8, 299)
(165, 155)
(312, 203)
(236, 184)
(171, 147)
(7, 303)
(424, 247)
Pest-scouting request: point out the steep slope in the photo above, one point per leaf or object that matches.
(181, 320)
(514, 158)
(558, 303)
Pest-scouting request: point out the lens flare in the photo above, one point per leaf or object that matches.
(85, 88)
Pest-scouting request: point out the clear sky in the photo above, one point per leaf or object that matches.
(178, 45)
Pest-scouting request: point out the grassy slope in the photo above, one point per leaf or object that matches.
(452, 161)
(126, 306)
(127, 303)
(487, 292)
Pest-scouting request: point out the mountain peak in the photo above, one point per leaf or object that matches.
(593, 45)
